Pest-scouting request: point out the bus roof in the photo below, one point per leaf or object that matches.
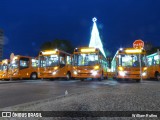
(50, 52)
(22, 56)
(131, 51)
(154, 54)
(5, 61)
(86, 50)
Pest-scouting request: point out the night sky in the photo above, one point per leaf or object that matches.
(29, 23)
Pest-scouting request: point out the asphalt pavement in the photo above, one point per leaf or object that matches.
(106, 95)
(23, 91)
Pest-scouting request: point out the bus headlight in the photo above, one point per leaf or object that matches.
(144, 73)
(15, 73)
(122, 73)
(145, 68)
(55, 68)
(94, 73)
(75, 72)
(96, 67)
(54, 73)
(120, 68)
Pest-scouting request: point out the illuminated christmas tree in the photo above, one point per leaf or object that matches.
(95, 40)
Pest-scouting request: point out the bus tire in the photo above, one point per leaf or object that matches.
(101, 77)
(82, 79)
(157, 75)
(68, 76)
(137, 81)
(33, 76)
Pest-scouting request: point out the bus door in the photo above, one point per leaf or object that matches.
(24, 64)
(64, 61)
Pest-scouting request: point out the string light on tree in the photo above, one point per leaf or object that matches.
(95, 40)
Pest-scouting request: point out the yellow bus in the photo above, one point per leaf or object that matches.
(154, 65)
(89, 62)
(5, 66)
(23, 67)
(126, 64)
(54, 64)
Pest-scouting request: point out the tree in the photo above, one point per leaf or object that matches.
(150, 48)
(64, 45)
(153, 50)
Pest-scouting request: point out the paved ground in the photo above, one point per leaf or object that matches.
(18, 92)
(107, 95)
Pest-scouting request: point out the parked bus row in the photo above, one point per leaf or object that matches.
(85, 62)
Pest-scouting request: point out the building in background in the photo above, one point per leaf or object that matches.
(1, 43)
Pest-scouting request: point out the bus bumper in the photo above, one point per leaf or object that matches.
(134, 77)
(86, 75)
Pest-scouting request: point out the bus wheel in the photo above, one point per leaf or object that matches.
(101, 77)
(137, 81)
(106, 77)
(158, 76)
(68, 76)
(33, 76)
(82, 79)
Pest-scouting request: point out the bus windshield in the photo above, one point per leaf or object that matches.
(49, 61)
(86, 59)
(131, 60)
(14, 64)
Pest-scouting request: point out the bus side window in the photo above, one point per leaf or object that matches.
(24, 63)
(62, 60)
(34, 63)
(68, 60)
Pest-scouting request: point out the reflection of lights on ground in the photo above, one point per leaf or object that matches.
(111, 83)
(104, 82)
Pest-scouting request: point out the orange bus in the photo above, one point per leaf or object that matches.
(126, 64)
(89, 62)
(23, 67)
(54, 64)
(154, 65)
(5, 67)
